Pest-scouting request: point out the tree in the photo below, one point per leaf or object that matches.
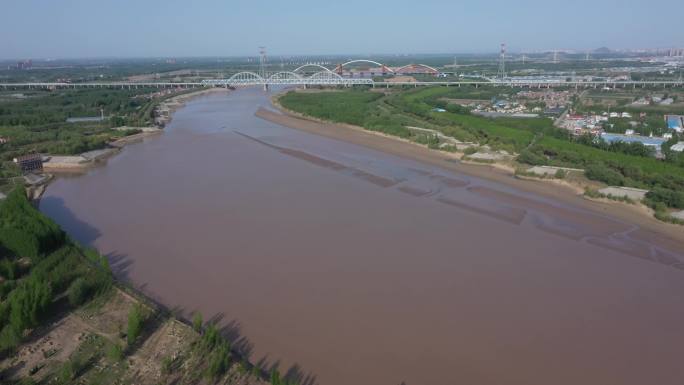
(28, 303)
(78, 291)
(9, 339)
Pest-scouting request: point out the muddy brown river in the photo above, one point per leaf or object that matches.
(344, 265)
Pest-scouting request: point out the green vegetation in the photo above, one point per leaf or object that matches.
(136, 319)
(115, 353)
(344, 107)
(58, 266)
(217, 349)
(37, 121)
(197, 322)
(670, 198)
(24, 231)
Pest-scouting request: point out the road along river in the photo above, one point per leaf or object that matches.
(347, 265)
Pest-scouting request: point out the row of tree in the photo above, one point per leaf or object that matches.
(58, 267)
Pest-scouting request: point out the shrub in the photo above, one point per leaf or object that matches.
(602, 173)
(167, 365)
(560, 174)
(135, 323)
(670, 198)
(115, 353)
(219, 362)
(529, 157)
(197, 322)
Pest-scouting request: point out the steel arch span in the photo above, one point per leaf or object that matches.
(326, 77)
(245, 78)
(285, 77)
(312, 65)
(432, 70)
(382, 66)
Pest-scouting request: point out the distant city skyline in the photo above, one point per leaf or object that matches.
(172, 28)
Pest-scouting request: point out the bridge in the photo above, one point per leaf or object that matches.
(324, 76)
(246, 81)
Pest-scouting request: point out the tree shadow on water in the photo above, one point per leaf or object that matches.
(83, 232)
(240, 345)
(120, 265)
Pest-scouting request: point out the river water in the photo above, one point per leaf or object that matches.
(344, 265)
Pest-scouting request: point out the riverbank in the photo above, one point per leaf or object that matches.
(165, 109)
(505, 174)
(76, 164)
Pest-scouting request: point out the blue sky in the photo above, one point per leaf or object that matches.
(149, 28)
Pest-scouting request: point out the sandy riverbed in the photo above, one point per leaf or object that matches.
(397, 146)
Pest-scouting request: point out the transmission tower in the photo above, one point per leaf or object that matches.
(502, 62)
(262, 62)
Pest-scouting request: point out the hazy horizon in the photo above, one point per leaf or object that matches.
(127, 29)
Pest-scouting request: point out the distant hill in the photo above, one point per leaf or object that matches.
(602, 50)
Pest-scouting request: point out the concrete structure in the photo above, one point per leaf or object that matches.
(35, 179)
(627, 192)
(488, 156)
(550, 170)
(678, 215)
(99, 154)
(142, 129)
(65, 162)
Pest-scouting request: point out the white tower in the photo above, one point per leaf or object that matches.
(262, 62)
(502, 62)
